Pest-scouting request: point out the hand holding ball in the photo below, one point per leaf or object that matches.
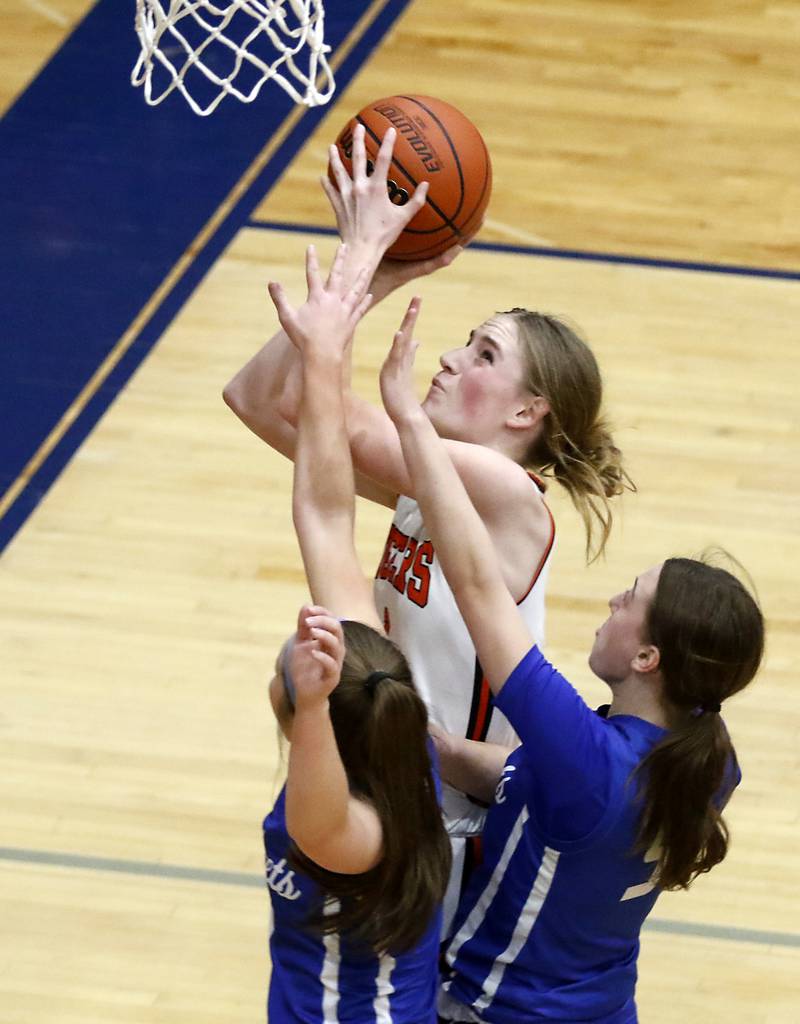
(435, 143)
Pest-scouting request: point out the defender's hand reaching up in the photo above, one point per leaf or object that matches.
(331, 312)
(397, 372)
(316, 657)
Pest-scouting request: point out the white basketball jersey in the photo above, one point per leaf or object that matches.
(420, 614)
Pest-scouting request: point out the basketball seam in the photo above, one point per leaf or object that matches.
(486, 176)
(453, 150)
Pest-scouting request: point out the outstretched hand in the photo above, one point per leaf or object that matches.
(397, 372)
(364, 212)
(332, 310)
(317, 655)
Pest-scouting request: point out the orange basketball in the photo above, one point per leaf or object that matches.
(435, 143)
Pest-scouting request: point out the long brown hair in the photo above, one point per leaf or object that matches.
(381, 730)
(575, 446)
(710, 635)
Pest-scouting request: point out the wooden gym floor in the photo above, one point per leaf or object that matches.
(646, 186)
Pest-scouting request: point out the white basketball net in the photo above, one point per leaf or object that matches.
(208, 50)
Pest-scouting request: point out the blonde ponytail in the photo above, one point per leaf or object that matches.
(575, 447)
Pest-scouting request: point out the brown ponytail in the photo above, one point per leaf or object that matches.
(710, 635)
(575, 447)
(381, 729)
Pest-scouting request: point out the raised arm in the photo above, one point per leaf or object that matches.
(332, 827)
(368, 223)
(323, 495)
(460, 538)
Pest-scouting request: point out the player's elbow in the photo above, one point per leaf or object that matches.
(259, 417)
(233, 397)
(314, 837)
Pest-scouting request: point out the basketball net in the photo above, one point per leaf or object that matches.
(209, 50)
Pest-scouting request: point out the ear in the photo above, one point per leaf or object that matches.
(534, 410)
(647, 659)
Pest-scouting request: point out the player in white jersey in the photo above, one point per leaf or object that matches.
(522, 394)
(593, 814)
(356, 865)
(420, 614)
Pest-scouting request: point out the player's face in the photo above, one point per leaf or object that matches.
(479, 386)
(623, 634)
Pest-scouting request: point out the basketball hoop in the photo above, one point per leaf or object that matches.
(209, 50)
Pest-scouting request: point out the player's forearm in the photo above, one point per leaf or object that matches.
(323, 484)
(472, 767)
(317, 793)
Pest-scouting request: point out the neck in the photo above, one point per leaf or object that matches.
(640, 698)
(513, 448)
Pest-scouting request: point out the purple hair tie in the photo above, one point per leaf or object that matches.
(708, 708)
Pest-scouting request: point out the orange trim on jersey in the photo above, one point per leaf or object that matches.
(549, 545)
(478, 730)
(478, 725)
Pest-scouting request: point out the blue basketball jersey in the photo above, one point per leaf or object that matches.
(548, 929)
(320, 979)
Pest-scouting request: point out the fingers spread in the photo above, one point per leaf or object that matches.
(279, 300)
(312, 270)
(409, 321)
(335, 275)
(339, 173)
(359, 286)
(359, 154)
(363, 306)
(417, 200)
(384, 157)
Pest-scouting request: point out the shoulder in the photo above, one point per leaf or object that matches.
(511, 505)
(485, 471)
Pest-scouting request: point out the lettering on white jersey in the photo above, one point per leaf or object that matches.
(500, 792)
(633, 891)
(280, 883)
(406, 564)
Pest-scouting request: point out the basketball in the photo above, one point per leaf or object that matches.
(435, 143)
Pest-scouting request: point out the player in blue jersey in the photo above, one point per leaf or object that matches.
(594, 813)
(357, 855)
